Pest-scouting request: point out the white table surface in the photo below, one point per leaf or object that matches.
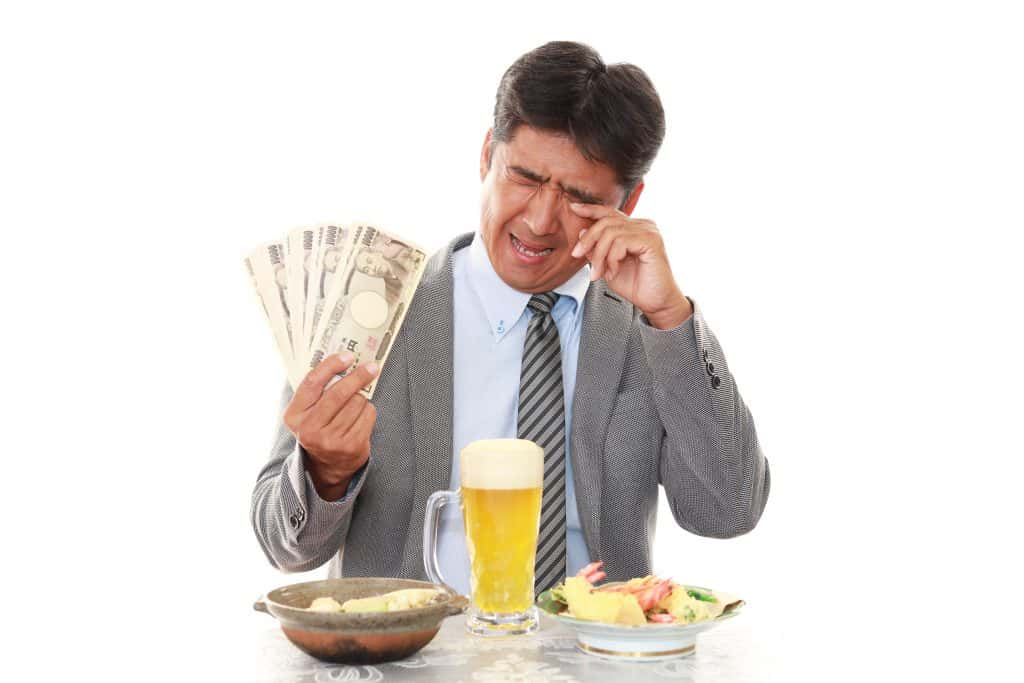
(726, 653)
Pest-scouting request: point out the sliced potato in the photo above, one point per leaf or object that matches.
(408, 598)
(326, 605)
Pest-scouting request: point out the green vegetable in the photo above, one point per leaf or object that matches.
(698, 594)
(553, 600)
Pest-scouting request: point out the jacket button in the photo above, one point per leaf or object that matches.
(294, 522)
(715, 381)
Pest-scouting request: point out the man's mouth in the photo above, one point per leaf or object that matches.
(529, 252)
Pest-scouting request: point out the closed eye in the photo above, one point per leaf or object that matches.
(524, 177)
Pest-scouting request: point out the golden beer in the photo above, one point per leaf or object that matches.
(501, 537)
(501, 482)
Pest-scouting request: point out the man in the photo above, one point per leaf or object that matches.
(634, 392)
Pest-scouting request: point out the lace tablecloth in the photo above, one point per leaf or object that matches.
(726, 653)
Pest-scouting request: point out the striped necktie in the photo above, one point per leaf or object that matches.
(542, 420)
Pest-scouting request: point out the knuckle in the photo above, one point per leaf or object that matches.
(310, 440)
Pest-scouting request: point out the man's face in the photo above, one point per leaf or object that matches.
(373, 263)
(525, 220)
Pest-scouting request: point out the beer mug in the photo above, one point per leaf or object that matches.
(500, 487)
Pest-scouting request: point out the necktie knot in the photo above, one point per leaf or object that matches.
(543, 303)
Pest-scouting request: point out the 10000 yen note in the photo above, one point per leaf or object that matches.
(299, 266)
(352, 235)
(367, 306)
(331, 257)
(266, 267)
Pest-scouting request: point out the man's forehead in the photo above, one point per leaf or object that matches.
(557, 157)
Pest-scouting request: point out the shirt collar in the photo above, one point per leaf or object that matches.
(502, 304)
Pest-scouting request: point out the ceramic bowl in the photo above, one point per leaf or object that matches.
(360, 637)
(646, 642)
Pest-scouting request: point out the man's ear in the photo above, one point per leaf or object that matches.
(631, 200)
(485, 156)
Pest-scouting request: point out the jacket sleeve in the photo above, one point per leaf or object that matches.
(297, 529)
(711, 466)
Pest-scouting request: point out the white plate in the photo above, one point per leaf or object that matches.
(647, 642)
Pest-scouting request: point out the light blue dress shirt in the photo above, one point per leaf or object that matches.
(490, 328)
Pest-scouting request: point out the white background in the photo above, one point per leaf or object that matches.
(839, 187)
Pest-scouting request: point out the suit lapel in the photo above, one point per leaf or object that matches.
(429, 360)
(604, 336)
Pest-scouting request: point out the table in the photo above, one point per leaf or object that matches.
(726, 653)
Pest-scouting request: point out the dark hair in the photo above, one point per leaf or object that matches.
(612, 113)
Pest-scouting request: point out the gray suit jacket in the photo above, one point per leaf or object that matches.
(650, 407)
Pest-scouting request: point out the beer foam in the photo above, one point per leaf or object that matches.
(502, 464)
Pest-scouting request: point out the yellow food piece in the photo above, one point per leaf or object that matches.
(376, 603)
(576, 588)
(609, 608)
(630, 612)
(325, 605)
(685, 609)
(408, 598)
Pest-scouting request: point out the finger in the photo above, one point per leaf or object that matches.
(312, 386)
(346, 417)
(593, 211)
(580, 249)
(590, 236)
(338, 395)
(599, 253)
(616, 254)
(362, 429)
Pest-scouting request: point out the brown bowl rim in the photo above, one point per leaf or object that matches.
(361, 623)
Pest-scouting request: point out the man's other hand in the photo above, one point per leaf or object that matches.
(629, 254)
(333, 423)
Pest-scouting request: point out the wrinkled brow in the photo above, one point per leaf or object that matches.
(574, 192)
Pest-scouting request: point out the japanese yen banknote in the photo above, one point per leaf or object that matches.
(335, 288)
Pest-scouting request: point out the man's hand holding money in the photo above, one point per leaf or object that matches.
(331, 296)
(333, 423)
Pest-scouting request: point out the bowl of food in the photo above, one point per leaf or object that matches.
(361, 620)
(643, 619)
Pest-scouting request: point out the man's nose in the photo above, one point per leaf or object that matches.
(541, 214)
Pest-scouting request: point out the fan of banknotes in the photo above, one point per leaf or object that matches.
(333, 289)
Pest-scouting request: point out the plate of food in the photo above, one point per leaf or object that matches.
(361, 620)
(645, 619)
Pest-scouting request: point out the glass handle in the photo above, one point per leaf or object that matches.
(437, 500)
